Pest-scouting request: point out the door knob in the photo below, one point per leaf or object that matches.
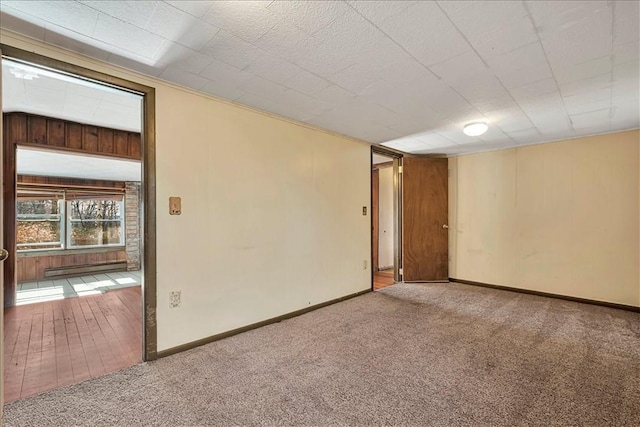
(445, 226)
(4, 254)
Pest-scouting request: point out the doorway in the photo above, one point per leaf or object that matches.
(68, 234)
(385, 218)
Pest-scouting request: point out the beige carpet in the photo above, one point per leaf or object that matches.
(419, 354)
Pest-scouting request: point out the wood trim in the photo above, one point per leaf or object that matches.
(375, 218)
(51, 181)
(147, 152)
(12, 130)
(217, 337)
(549, 295)
(148, 211)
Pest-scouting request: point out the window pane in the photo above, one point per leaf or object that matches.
(95, 209)
(95, 222)
(92, 233)
(39, 225)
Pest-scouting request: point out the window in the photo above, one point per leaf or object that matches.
(69, 220)
(95, 222)
(40, 223)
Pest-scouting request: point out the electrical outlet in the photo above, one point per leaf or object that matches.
(175, 299)
(364, 264)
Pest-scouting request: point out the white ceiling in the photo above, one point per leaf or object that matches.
(58, 95)
(408, 72)
(60, 164)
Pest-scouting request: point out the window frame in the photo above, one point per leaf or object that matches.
(62, 218)
(69, 221)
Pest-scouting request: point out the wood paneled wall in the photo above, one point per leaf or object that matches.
(33, 267)
(38, 131)
(61, 134)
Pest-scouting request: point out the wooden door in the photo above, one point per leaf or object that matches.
(375, 217)
(425, 219)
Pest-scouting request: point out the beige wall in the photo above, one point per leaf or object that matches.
(271, 210)
(385, 205)
(560, 217)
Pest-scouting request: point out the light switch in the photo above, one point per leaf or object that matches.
(364, 210)
(175, 205)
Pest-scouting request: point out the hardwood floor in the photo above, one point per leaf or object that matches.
(382, 279)
(57, 343)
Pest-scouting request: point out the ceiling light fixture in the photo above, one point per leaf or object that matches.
(475, 129)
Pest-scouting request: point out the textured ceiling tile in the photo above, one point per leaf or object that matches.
(137, 63)
(133, 12)
(126, 36)
(76, 104)
(273, 68)
(513, 122)
(366, 42)
(304, 104)
(309, 16)
(183, 78)
(223, 90)
(526, 75)
(14, 20)
(436, 41)
(477, 18)
(433, 140)
(256, 85)
(176, 55)
(584, 70)
(589, 105)
(379, 11)
(228, 48)
(44, 98)
(505, 39)
(354, 78)
(526, 136)
(197, 8)
(585, 101)
(453, 132)
(306, 82)
(248, 20)
(296, 46)
(180, 27)
(221, 73)
(73, 16)
(591, 84)
(479, 87)
(334, 95)
(71, 40)
(579, 54)
(627, 72)
(627, 30)
(553, 14)
(588, 120)
(626, 52)
(459, 67)
(541, 87)
(531, 55)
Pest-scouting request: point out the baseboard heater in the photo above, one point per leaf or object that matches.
(79, 270)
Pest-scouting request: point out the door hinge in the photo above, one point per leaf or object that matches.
(400, 271)
(399, 169)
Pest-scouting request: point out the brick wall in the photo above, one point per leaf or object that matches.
(132, 221)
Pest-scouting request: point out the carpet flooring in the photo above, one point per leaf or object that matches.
(442, 354)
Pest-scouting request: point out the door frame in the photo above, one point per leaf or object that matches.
(148, 185)
(397, 208)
